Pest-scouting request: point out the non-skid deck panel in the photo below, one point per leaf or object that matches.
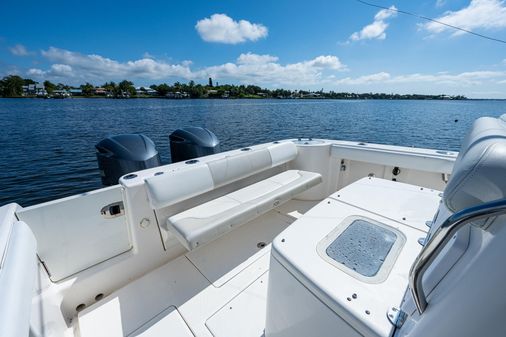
(179, 284)
(247, 312)
(296, 208)
(247, 244)
(408, 204)
(167, 323)
(130, 307)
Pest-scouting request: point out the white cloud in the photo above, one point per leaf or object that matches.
(386, 13)
(468, 78)
(19, 50)
(366, 79)
(473, 84)
(265, 70)
(376, 29)
(310, 72)
(61, 70)
(222, 28)
(250, 58)
(464, 79)
(36, 72)
(485, 14)
(248, 68)
(327, 61)
(55, 71)
(94, 66)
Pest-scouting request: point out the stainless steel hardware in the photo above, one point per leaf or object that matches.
(441, 237)
(396, 316)
(113, 210)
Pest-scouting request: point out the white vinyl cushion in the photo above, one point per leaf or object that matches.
(478, 174)
(208, 221)
(282, 153)
(17, 281)
(7, 218)
(239, 166)
(170, 188)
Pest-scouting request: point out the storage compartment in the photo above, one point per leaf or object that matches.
(293, 311)
(338, 269)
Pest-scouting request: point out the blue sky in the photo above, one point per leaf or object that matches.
(334, 45)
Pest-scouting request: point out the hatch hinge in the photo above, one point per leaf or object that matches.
(396, 316)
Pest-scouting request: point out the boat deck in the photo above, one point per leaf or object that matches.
(201, 292)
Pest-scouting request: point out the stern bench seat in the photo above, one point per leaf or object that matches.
(208, 221)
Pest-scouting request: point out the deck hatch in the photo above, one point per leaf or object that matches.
(363, 248)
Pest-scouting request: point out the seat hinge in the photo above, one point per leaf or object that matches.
(396, 316)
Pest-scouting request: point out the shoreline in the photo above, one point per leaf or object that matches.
(258, 98)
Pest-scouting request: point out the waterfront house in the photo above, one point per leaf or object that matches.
(100, 91)
(177, 94)
(60, 93)
(75, 92)
(146, 91)
(36, 89)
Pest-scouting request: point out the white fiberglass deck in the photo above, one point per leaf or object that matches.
(219, 289)
(201, 292)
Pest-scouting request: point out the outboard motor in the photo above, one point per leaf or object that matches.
(122, 154)
(192, 142)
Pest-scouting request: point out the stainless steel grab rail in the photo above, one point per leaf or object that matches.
(441, 237)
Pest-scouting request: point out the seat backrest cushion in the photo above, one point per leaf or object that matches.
(17, 280)
(236, 167)
(7, 218)
(479, 173)
(170, 188)
(173, 187)
(282, 153)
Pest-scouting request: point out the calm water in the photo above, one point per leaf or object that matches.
(47, 146)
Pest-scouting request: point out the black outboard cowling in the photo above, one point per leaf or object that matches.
(192, 142)
(122, 154)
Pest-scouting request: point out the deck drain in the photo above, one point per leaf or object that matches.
(261, 245)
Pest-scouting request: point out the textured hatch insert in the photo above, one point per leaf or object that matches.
(363, 247)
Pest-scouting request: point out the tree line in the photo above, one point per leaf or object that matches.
(12, 86)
